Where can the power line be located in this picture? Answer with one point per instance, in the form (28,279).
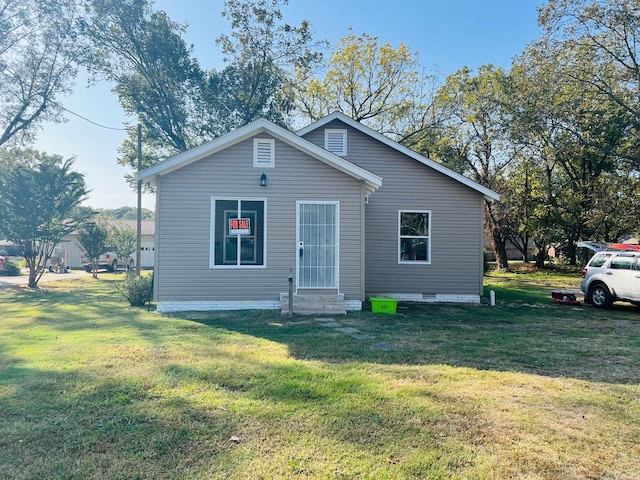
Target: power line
(91,121)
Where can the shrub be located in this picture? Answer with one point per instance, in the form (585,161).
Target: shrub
(10,269)
(137,289)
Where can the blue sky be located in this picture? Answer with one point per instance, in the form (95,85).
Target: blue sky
(448,34)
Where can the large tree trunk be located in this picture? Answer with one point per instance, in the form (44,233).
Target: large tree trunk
(494,219)
(499,244)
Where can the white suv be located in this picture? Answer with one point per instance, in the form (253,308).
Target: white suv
(612,275)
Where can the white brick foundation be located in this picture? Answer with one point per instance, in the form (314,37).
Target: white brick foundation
(178,306)
(429,298)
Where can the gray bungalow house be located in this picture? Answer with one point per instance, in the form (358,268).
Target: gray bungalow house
(345,211)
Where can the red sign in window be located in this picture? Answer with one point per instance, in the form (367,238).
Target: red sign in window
(239,226)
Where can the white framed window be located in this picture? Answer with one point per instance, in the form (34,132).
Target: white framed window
(238,233)
(414,236)
(264,152)
(335,140)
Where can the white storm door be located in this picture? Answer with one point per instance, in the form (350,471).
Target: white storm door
(318,244)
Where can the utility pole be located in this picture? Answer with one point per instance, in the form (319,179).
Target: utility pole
(139,216)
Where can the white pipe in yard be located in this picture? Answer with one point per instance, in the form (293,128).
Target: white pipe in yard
(492,296)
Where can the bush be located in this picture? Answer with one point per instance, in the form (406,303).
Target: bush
(137,289)
(10,269)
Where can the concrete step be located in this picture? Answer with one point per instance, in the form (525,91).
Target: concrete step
(309,304)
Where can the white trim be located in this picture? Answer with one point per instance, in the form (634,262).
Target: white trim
(413,262)
(432,298)
(259,162)
(212,237)
(217,305)
(336,133)
(337,240)
(371,180)
(488,193)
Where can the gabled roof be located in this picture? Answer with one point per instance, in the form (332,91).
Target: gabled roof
(488,193)
(371,180)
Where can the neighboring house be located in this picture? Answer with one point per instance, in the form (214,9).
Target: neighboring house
(72,251)
(346,211)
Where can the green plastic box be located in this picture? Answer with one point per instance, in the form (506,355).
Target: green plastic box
(384,305)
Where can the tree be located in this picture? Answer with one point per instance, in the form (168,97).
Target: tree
(243,92)
(372,83)
(123,241)
(36,64)
(142,52)
(38,195)
(125,213)
(576,136)
(263,53)
(472,140)
(607,34)
(157,79)
(93,242)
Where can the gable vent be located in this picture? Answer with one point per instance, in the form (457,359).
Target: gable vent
(264,152)
(336,141)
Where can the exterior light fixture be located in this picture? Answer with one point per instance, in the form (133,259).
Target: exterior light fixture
(263,180)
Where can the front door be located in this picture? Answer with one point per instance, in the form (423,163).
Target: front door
(318,244)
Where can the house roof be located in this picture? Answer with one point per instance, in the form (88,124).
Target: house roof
(371,180)
(147,227)
(488,193)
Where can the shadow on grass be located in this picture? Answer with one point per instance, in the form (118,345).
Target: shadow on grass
(526,332)
(179,422)
(79,425)
(160,396)
(532,337)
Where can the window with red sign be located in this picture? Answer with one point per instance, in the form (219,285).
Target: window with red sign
(238,232)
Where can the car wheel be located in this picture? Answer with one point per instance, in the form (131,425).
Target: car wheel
(114,266)
(88,268)
(132,265)
(600,296)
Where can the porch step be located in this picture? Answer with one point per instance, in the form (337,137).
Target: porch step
(309,304)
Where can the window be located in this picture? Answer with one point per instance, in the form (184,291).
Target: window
(599,259)
(264,153)
(238,232)
(336,141)
(414,236)
(621,263)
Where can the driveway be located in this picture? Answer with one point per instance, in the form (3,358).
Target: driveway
(22,280)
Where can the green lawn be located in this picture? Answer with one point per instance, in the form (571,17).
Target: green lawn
(90,388)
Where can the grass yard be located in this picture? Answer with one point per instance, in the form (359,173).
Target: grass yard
(90,388)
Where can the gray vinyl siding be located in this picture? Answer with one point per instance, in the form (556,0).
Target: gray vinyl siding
(184,223)
(456,222)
